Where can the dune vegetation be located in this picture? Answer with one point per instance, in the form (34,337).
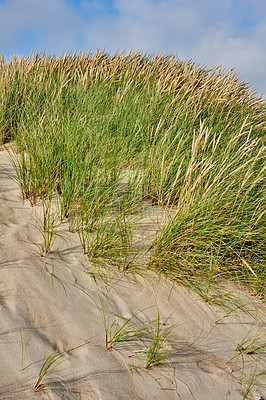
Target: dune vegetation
(104,136)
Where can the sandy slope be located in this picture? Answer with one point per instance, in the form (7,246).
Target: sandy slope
(44,305)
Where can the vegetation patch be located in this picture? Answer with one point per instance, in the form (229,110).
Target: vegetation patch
(106,133)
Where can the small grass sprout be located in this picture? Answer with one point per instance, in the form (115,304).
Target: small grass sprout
(253,344)
(119,333)
(121,330)
(49,365)
(254,380)
(158,352)
(24,345)
(246,308)
(127,332)
(48,227)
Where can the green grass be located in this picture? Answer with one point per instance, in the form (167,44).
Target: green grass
(124,330)
(158,352)
(49,365)
(253,381)
(49,226)
(252,345)
(151,338)
(104,133)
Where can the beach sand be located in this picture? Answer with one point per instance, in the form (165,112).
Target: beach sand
(49,303)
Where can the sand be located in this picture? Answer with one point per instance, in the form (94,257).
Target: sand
(52,302)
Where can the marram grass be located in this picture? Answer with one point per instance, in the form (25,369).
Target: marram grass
(106,132)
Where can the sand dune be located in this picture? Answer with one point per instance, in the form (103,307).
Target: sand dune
(52,302)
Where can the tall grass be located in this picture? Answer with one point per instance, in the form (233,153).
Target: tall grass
(218,226)
(105,132)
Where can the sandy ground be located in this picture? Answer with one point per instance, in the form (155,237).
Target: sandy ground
(49,303)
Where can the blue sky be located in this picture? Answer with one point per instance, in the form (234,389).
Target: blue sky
(227,32)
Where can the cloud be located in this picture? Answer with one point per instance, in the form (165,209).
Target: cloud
(245,53)
(227,32)
(49,24)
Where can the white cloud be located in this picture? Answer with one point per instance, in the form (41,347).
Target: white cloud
(49,24)
(228,32)
(245,53)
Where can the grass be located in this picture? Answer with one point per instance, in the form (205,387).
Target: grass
(251,350)
(134,330)
(49,226)
(253,380)
(109,238)
(253,344)
(158,353)
(24,345)
(247,308)
(105,133)
(124,330)
(48,367)
(127,331)
(120,330)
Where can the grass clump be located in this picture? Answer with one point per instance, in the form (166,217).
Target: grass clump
(251,350)
(48,367)
(158,352)
(253,344)
(254,381)
(49,228)
(104,133)
(127,331)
